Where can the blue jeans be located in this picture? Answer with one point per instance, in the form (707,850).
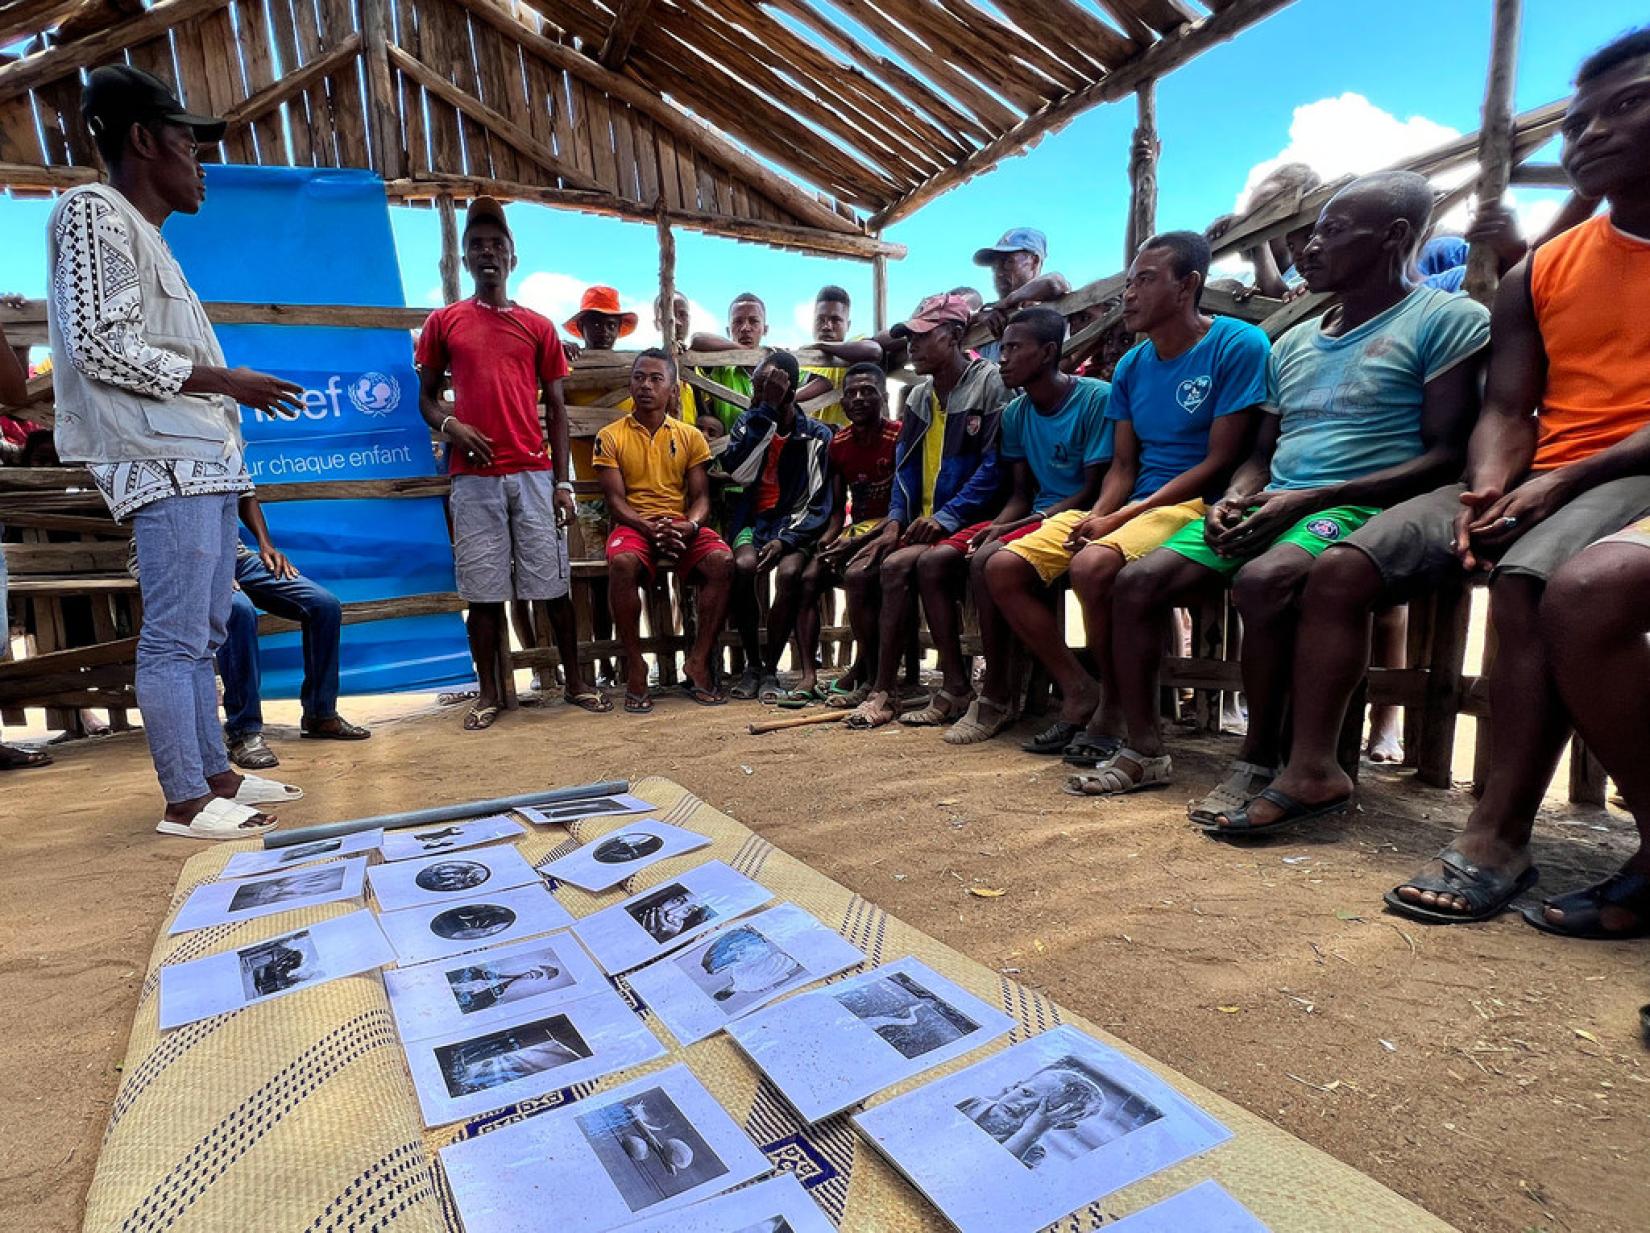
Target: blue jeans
(186,564)
(297,599)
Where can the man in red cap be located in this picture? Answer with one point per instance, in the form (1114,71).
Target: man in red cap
(510,498)
(946,478)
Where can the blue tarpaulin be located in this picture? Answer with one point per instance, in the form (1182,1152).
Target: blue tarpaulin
(301,236)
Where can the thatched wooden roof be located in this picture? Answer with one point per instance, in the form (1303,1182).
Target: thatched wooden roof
(808,123)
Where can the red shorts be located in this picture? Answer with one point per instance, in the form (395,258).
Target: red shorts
(629,540)
(961,539)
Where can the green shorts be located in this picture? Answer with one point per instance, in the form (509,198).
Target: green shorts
(747,536)
(1312,534)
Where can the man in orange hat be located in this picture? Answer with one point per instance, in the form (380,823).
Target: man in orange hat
(600,323)
(511,497)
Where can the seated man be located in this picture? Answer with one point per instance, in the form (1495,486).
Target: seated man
(831,322)
(1367,407)
(1056,442)
(1185,404)
(267,579)
(1571,336)
(862,483)
(653,474)
(946,481)
(778,453)
(1016,264)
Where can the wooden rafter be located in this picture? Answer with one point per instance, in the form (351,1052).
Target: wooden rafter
(627,19)
(293,84)
(55,62)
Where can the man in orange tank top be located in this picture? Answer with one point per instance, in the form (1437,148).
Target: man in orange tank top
(1560,457)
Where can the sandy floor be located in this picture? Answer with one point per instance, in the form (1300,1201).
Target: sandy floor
(1493,1074)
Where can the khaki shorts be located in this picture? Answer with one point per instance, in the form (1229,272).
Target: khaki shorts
(506,544)
(1046,552)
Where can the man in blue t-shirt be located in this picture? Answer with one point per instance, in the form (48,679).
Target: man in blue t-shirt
(1057,442)
(1367,407)
(1185,404)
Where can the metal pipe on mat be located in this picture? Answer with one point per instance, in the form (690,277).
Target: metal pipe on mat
(443,813)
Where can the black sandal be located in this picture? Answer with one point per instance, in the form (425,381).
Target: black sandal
(1089,752)
(1584,909)
(1052,740)
(1294,814)
(1488,892)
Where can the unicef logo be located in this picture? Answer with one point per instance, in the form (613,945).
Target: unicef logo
(375,393)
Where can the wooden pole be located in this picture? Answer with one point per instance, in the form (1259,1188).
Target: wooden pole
(879,292)
(667,281)
(1142,171)
(388,148)
(1495,140)
(449,247)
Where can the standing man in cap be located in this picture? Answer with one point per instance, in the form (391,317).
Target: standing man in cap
(145,399)
(510,499)
(1016,263)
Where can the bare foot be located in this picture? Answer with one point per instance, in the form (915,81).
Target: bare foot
(1386,742)
(1079,705)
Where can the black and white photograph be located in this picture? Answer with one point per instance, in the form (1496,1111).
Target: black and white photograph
(285,963)
(623,853)
(489,986)
(274,860)
(434,879)
(412,842)
(660,1143)
(527,1054)
(491,918)
(661,919)
(222,903)
(1029,1135)
(1206,1208)
(563,812)
(736,969)
(909,1017)
(777,1205)
(831,1048)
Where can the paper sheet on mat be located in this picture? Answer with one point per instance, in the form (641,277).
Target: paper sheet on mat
(1029,1135)
(272,968)
(229,903)
(435,932)
(273,860)
(626,851)
(667,916)
(831,1048)
(527,1055)
(740,967)
(487,987)
(409,842)
(654,1144)
(563,812)
(449,877)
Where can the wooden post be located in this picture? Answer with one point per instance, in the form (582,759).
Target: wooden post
(387,146)
(879,292)
(667,281)
(1142,172)
(449,247)
(1495,140)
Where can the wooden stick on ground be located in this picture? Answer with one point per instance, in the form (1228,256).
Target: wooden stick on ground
(758,727)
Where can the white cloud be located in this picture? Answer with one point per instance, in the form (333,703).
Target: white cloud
(802,325)
(556,295)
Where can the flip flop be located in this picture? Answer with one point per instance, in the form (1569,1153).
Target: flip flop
(805,695)
(480,718)
(592,700)
(1584,909)
(1243,783)
(1294,814)
(220,819)
(637,704)
(1090,752)
(1488,893)
(1053,740)
(703,696)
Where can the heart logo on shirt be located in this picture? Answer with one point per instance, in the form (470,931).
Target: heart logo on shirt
(1191,394)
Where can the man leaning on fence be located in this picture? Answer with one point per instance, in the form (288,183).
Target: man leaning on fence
(145,400)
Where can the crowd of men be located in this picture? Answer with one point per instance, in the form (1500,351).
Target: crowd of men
(1325,476)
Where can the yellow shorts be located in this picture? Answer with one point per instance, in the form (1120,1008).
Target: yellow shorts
(1638,533)
(862,528)
(1046,552)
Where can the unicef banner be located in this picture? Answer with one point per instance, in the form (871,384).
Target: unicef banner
(294,236)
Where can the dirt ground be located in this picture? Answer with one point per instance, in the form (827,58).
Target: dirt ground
(1492,1074)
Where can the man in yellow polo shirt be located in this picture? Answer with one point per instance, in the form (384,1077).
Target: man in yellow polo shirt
(653,471)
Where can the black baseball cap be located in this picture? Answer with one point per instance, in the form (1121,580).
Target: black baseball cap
(118,96)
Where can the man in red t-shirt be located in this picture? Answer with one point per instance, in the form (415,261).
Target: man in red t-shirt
(508,506)
(862,483)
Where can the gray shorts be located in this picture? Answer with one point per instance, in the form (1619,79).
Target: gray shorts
(1414,543)
(506,544)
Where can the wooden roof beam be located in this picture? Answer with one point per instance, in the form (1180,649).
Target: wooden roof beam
(272,96)
(55,62)
(627,19)
(26,17)
(1158,60)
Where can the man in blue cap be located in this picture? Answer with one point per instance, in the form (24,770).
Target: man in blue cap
(1016,263)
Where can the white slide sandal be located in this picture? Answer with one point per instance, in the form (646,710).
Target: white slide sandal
(256,790)
(219,819)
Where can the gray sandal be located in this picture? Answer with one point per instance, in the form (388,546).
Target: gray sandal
(1112,780)
(1243,783)
(975,727)
(943,707)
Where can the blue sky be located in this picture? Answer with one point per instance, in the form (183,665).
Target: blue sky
(1346,86)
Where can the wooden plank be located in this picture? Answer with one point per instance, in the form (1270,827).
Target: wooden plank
(19,145)
(297,111)
(257,109)
(323,125)
(268,132)
(647,160)
(225,85)
(627,20)
(1495,141)
(87,556)
(624,150)
(52,114)
(599,123)
(344,89)
(22,18)
(670,181)
(389,151)
(188,47)
(99,48)
(490,86)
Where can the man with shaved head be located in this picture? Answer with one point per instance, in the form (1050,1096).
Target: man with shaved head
(1367,407)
